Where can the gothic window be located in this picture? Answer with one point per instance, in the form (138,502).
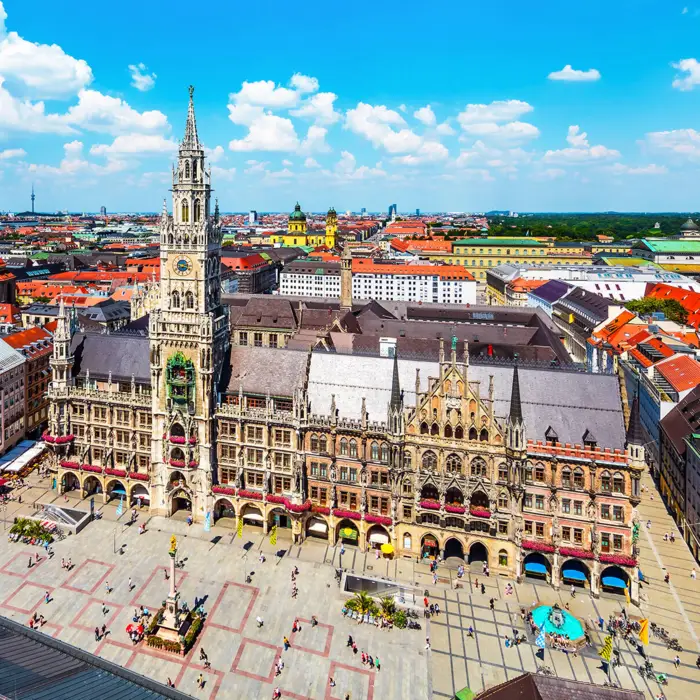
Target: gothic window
(187,169)
(314,443)
(503,500)
(407,461)
(353,448)
(566,477)
(343,446)
(434,429)
(618,483)
(478,467)
(176,299)
(605,482)
(194,169)
(185,211)
(472,434)
(189,300)
(430,492)
(375,451)
(322,444)
(578,478)
(197,210)
(424,428)
(503,558)
(429,461)
(459,433)
(385,453)
(448,431)
(453,464)
(484,435)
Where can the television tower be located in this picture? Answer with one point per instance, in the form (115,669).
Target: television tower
(33,197)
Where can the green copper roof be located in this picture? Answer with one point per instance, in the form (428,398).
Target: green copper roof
(670,246)
(297,214)
(499,242)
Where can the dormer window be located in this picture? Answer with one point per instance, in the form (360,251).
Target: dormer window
(589,440)
(551,436)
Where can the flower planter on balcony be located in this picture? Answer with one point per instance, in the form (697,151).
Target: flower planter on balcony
(432,505)
(193,440)
(351,514)
(69,465)
(574,552)
(459,510)
(255,495)
(177,462)
(58,440)
(115,472)
(141,476)
(298,507)
(618,559)
(177,440)
(379,519)
(274,498)
(538,546)
(321,510)
(480,512)
(91,468)
(227,490)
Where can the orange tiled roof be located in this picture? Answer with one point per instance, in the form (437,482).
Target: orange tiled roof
(30,335)
(520,284)
(642,359)
(367,266)
(681,372)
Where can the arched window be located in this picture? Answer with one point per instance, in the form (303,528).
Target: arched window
(429,460)
(407,487)
(194,169)
(578,478)
(484,435)
(406,540)
(385,453)
(459,433)
(434,429)
(453,464)
(478,467)
(322,447)
(185,211)
(353,448)
(197,210)
(618,483)
(187,168)
(407,460)
(566,477)
(448,431)
(175,299)
(375,451)
(472,434)
(503,500)
(189,300)
(314,443)
(503,558)
(343,446)
(424,428)
(605,481)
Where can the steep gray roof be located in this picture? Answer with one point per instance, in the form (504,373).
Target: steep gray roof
(569,402)
(266,370)
(122,355)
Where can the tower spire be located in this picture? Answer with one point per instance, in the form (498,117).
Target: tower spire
(191,140)
(516,410)
(33,197)
(634,434)
(395,386)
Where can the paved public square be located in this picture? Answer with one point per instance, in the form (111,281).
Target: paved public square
(243,656)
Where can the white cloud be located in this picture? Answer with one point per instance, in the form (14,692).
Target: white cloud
(311,163)
(222,173)
(244,114)
(552,173)
(346,169)
(140,78)
(319,108)
(315,141)
(569,74)
(284,174)
(651,169)
(112,115)
(429,152)
(268,132)
(498,111)
(425,115)
(445,129)
(214,154)
(510,132)
(135,144)
(23,115)
(39,70)
(576,137)
(375,124)
(505,159)
(403,108)
(287,163)
(264,93)
(73,164)
(690,66)
(256,166)
(684,11)
(680,143)
(11,152)
(304,83)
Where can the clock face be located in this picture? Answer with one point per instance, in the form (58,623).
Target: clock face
(183,265)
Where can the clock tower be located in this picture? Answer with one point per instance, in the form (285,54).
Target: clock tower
(189,335)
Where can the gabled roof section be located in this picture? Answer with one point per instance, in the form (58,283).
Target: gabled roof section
(682,372)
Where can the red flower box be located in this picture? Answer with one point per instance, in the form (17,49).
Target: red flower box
(177,439)
(193,463)
(274,498)
(227,490)
(322,510)
(59,440)
(538,546)
(619,559)
(255,495)
(141,476)
(91,468)
(456,509)
(573,552)
(429,503)
(380,519)
(193,440)
(69,465)
(480,512)
(298,507)
(177,462)
(350,514)
(115,472)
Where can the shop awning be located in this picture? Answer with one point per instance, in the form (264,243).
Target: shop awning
(379,538)
(430,542)
(348,533)
(318,527)
(119,489)
(253,516)
(535,567)
(573,574)
(613,582)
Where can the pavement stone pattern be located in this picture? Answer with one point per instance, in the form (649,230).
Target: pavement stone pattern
(243,656)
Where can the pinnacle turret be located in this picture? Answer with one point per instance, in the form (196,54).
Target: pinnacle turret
(191,140)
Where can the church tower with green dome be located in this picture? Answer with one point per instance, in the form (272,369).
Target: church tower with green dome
(331,228)
(297,221)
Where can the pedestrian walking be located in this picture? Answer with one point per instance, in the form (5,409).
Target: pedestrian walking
(350,641)
(70,564)
(492,603)
(427,643)
(200,681)
(573,591)
(483,589)
(692,574)
(170,684)
(364,658)
(47,597)
(166,574)
(259,620)
(677,661)
(354,648)
(131,584)
(470,631)
(105,609)
(286,644)
(314,621)
(331,682)
(376,663)
(104,630)
(342,549)
(437,608)
(29,566)
(97,634)
(63,563)
(108,587)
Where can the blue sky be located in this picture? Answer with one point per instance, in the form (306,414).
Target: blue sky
(454,106)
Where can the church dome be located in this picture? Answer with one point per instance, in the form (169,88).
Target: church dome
(690,225)
(297,214)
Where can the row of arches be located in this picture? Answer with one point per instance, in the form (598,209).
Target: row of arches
(196,211)
(456,433)
(454,464)
(182,301)
(110,489)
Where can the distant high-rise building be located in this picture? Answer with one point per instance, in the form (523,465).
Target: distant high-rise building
(103,210)
(363,211)
(417,212)
(252,217)
(392,210)
(33,197)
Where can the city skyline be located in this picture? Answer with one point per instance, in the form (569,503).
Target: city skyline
(531,117)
